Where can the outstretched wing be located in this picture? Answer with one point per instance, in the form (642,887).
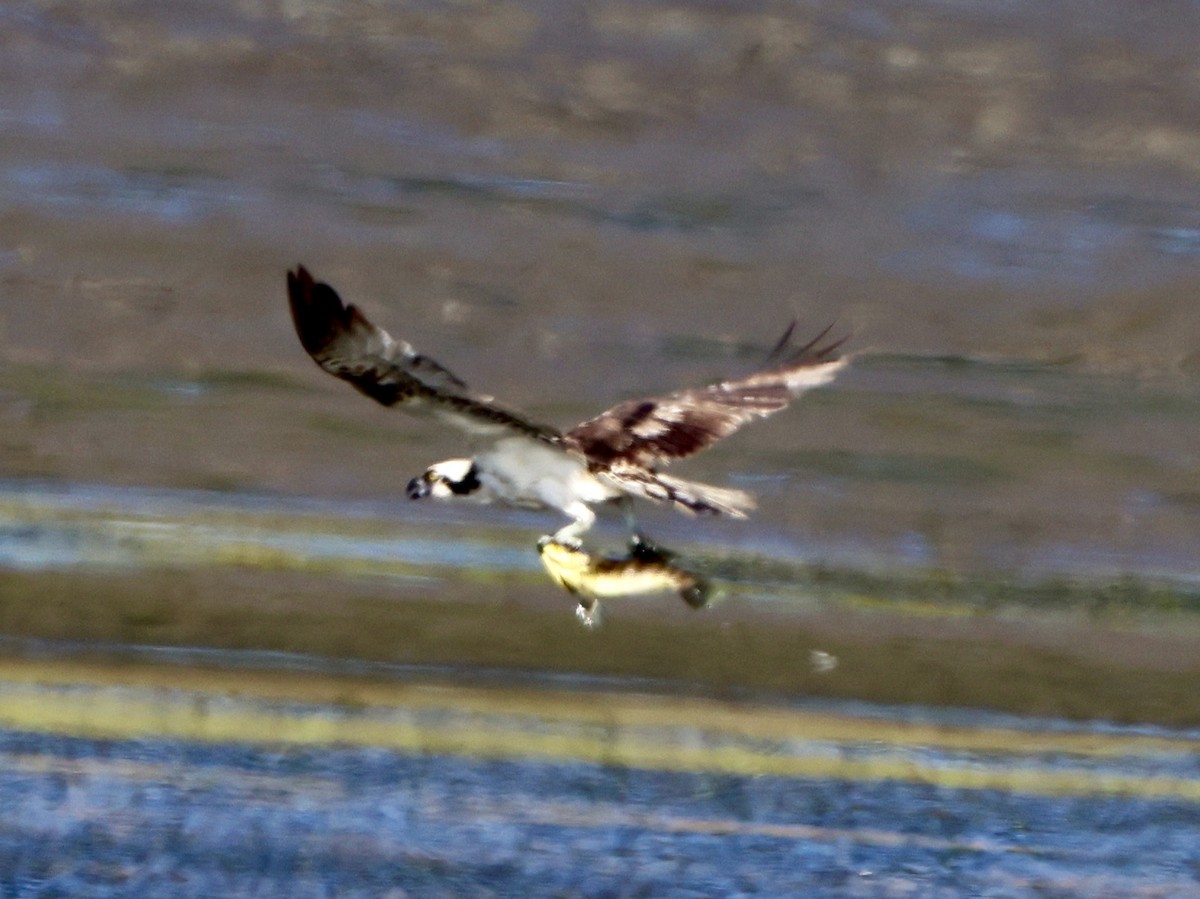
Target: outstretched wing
(657,431)
(345,343)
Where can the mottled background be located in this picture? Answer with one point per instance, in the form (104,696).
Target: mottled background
(995,510)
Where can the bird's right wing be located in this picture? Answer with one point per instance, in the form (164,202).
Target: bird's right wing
(346,344)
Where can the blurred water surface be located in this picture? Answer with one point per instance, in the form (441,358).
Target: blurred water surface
(996,507)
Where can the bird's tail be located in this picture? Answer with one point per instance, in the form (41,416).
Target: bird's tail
(690,496)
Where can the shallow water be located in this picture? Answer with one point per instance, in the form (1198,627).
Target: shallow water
(504,792)
(996,507)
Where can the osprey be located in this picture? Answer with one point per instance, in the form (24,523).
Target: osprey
(613,457)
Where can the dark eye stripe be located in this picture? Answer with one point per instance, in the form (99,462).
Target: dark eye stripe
(468,484)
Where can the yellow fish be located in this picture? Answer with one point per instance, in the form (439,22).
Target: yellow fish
(591,578)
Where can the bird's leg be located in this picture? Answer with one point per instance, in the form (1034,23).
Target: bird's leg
(640,546)
(583,517)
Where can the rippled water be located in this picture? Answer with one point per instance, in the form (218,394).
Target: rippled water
(997,506)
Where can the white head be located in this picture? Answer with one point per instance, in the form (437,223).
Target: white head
(443,480)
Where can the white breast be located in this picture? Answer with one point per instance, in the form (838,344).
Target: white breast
(524,471)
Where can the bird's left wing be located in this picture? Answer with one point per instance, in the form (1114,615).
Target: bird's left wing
(345,343)
(651,432)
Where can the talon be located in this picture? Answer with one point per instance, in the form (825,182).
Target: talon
(558,546)
(569,540)
(568,536)
(645,550)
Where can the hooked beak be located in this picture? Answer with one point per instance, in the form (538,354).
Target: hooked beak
(418,488)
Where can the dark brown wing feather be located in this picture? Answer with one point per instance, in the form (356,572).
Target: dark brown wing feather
(346,344)
(657,431)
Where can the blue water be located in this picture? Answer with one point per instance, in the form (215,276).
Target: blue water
(159,818)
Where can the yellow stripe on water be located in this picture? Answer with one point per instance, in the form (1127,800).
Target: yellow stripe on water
(659,733)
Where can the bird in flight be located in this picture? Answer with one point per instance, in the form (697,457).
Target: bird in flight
(612,458)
